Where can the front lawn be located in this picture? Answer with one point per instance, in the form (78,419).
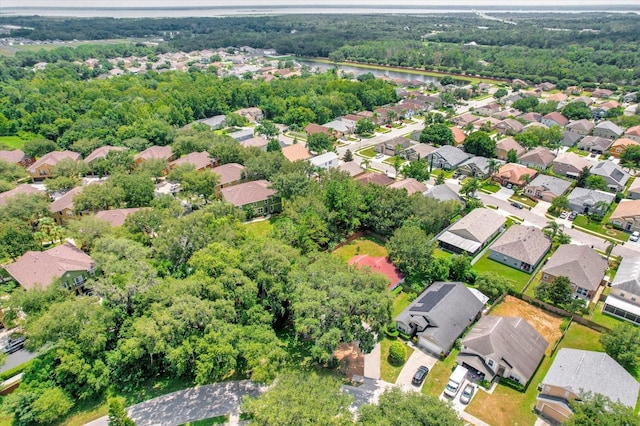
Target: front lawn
(524,200)
(439,375)
(389,373)
(364,245)
(13,142)
(599,228)
(490,187)
(519,278)
(367,152)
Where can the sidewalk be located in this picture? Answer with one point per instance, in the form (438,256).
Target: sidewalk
(372,363)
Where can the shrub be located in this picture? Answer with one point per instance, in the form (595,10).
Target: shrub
(397,353)
(391,330)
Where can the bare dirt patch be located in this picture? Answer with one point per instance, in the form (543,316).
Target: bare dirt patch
(351,359)
(545,323)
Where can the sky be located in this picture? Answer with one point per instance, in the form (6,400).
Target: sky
(294,3)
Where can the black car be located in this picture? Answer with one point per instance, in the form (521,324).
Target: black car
(517,205)
(421,373)
(14,344)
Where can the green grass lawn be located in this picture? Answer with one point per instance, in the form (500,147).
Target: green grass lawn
(399,303)
(388,372)
(581,337)
(439,375)
(13,142)
(219,420)
(441,254)
(367,152)
(519,278)
(365,245)
(263,227)
(490,187)
(524,200)
(599,228)
(382,130)
(606,320)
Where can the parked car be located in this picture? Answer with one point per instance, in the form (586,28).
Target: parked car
(467,394)
(635,236)
(517,205)
(573,215)
(564,215)
(509,186)
(421,373)
(14,344)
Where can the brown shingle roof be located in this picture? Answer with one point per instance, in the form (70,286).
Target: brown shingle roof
(525,243)
(375,178)
(36,267)
(14,156)
(200,160)
(410,184)
(507,144)
(20,189)
(102,152)
(248,193)
(626,209)
(228,173)
(156,153)
(65,202)
(52,158)
(581,264)
(514,173)
(115,217)
(296,152)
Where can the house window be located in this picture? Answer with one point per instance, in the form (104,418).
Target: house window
(622,294)
(43,172)
(582,292)
(78,280)
(633,298)
(545,277)
(259,210)
(490,362)
(69,213)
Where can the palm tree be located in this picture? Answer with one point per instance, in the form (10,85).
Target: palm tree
(563,238)
(470,187)
(552,228)
(365,162)
(609,249)
(526,178)
(492,166)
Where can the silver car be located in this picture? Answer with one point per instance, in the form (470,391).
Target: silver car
(467,394)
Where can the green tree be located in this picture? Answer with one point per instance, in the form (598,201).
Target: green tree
(576,111)
(596,182)
(440,178)
(364,126)
(631,157)
(585,173)
(267,128)
(85,230)
(526,104)
(70,168)
(117,414)
(311,400)
(16,238)
(99,196)
(500,93)
(348,156)
(235,120)
(319,142)
(418,170)
(558,292)
(560,203)
(411,250)
(492,285)
(51,405)
(396,407)
(551,229)
(512,156)
(200,183)
(38,147)
(437,134)
(11,171)
(397,353)
(596,409)
(61,183)
(273,146)
(622,343)
(470,186)
(480,143)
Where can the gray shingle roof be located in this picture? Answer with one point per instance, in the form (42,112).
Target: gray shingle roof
(611,172)
(589,197)
(610,126)
(451,154)
(583,125)
(443,193)
(481,163)
(525,243)
(628,276)
(473,230)
(581,264)
(446,309)
(588,371)
(555,185)
(598,142)
(511,339)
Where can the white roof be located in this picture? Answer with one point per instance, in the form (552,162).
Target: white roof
(622,304)
(323,158)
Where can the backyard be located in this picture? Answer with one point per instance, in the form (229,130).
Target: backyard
(603,319)
(13,142)
(363,245)
(519,278)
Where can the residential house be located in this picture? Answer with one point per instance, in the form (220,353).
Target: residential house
(389,147)
(514,174)
(473,232)
(602,93)
(546,188)
(509,100)
(199,160)
(439,315)
(447,157)
(340,127)
(557,97)
(546,86)
(503,146)
(531,117)
(328,160)
(584,267)
(584,200)
(621,145)
(488,109)
(381,265)
(570,164)
(20,189)
(374,178)
(252,114)
(296,152)
(464,119)
(242,134)
(351,168)
(582,127)
(570,138)
(444,193)
(230,175)
(627,215)
(554,119)
(484,87)
(509,126)
(486,123)
(312,129)
(633,192)
(585,99)
(62,208)
(607,129)
(257,197)
(615,176)
(102,152)
(540,158)
(259,142)
(458,135)
(478,167)
(411,185)
(633,133)
(115,217)
(154,153)
(624,299)
(39,269)
(596,144)
(575,372)
(215,122)
(520,247)
(534,124)
(417,151)
(16,156)
(41,169)
(506,347)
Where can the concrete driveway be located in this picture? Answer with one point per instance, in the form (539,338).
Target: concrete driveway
(416,359)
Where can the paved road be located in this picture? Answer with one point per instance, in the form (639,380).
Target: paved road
(17,358)
(416,359)
(191,404)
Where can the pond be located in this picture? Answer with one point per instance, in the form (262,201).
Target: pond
(321,66)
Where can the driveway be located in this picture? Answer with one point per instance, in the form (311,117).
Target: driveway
(187,405)
(503,194)
(416,359)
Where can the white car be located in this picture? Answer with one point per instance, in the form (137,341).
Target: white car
(635,236)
